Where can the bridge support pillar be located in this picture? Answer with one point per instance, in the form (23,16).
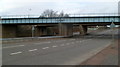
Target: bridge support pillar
(83,29)
(9,31)
(66,30)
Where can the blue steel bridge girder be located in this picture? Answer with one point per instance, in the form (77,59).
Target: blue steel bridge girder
(60,20)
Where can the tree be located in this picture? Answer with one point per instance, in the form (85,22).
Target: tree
(66,15)
(49,13)
(61,14)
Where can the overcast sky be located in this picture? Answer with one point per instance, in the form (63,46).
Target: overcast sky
(21,7)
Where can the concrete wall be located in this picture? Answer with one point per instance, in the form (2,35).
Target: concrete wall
(83,29)
(24,31)
(9,31)
(76,29)
(42,31)
(65,30)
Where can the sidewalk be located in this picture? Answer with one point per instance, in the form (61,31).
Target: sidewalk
(26,39)
(108,56)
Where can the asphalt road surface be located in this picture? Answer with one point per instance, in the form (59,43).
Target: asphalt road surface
(63,51)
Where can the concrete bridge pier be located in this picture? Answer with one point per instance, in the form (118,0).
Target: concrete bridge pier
(65,29)
(83,29)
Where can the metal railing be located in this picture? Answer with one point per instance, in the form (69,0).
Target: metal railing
(70,15)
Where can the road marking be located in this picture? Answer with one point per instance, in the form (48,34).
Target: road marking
(45,48)
(15,53)
(14,46)
(54,46)
(33,50)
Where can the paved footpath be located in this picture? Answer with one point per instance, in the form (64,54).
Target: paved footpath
(108,56)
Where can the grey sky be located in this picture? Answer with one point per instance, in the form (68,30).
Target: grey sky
(21,7)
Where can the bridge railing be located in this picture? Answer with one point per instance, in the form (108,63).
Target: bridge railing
(61,20)
(70,15)
(94,14)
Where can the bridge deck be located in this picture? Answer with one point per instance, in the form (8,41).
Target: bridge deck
(60,20)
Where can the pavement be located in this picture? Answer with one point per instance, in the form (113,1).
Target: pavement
(63,51)
(108,56)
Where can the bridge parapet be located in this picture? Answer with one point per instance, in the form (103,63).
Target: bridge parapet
(60,20)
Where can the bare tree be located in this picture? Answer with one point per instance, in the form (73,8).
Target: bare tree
(61,14)
(49,13)
(66,15)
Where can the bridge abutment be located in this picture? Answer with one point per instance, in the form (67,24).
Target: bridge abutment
(9,31)
(65,30)
(83,29)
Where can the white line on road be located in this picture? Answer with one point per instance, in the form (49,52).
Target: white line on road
(45,48)
(14,46)
(15,53)
(33,50)
(54,46)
